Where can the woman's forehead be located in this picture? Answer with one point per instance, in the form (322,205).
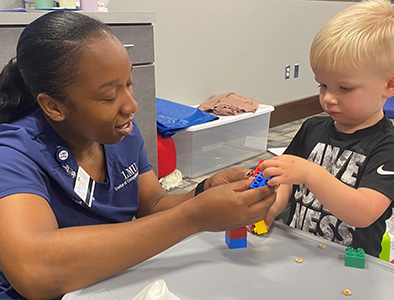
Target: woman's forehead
(104,55)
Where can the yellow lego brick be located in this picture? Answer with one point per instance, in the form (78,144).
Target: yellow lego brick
(260,227)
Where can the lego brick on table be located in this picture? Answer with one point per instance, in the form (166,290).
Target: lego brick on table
(236,243)
(260,227)
(237,233)
(386,244)
(355,257)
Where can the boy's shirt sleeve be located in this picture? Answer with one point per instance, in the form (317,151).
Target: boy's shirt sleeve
(379,171)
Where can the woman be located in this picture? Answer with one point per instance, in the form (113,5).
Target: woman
(74,171)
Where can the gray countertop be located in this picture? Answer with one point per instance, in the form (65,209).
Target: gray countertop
(203,267)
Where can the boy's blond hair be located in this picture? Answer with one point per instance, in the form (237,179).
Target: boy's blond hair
(358,35)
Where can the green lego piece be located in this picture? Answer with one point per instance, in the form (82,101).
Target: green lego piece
(386,244)
(355,258)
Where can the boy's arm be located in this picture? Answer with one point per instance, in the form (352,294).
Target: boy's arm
(356,207)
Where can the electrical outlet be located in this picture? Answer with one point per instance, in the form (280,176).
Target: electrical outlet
(287,71)
(296,70)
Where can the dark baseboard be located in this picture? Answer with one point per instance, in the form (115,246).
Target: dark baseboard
(294,110)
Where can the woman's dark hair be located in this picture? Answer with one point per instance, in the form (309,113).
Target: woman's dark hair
(47,56)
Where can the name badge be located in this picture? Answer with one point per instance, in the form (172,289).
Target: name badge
(84,186)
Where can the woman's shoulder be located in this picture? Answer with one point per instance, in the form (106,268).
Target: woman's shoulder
(20,134)
(28,139)
(14,136)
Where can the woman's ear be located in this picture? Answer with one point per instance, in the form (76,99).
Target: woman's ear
(52,108)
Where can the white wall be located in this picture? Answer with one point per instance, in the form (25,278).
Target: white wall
(208,47)
(8,4)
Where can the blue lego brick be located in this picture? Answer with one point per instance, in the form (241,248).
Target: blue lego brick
(355,257)
(259,181)
(236,243)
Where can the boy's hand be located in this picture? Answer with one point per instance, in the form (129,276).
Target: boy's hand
(269,219)
(286,169)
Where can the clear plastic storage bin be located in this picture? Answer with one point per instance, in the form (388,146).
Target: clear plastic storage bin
(211,146)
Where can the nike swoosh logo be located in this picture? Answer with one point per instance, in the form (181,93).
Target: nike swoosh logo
(383,172)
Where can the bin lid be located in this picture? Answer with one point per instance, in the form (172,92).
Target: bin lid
(263,109)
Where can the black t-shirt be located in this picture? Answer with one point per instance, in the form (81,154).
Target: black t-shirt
(362,159)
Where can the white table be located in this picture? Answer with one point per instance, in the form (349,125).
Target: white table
(203,267)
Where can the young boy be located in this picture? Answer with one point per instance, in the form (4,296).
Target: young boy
(338,171)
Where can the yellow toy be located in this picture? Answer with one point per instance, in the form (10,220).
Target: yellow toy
(260,227)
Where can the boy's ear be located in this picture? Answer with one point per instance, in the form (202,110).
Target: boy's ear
(389,91)
(52,108)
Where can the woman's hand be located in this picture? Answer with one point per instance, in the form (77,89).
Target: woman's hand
(232,205)
(227,176)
